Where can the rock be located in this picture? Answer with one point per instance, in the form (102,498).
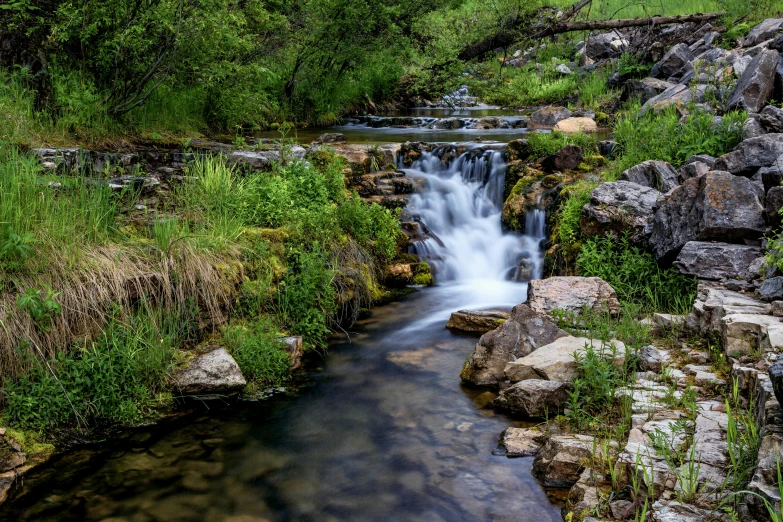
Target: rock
(713,304)
(521,442)
(651,359)
(752,129)
(776,376)
(557,361)
(621,207)
(575,125)
(763,31)
(607,148)
(548,117)
(717,261)
(567,158)
(622,509)
(587,494)
(717,206)
(771,289)
(476,321)
(659,175)
(523,332)
(756,85)
(772,205)
(293,347)
(771,118)
(743,334)
(751,155)
(600,46)
(670,511)
(330,137)
(563,69)
(675,94)
(215,372)
(693,170)
(644,89)
(764,481)
(562,460)
(534,398)
(518,150)
(572,295)
(674,60)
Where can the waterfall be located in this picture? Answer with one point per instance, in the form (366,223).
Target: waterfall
(460,205)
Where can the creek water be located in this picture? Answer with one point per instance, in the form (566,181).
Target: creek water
(378,429)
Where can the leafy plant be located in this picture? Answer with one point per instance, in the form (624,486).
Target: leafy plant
(42,305)
(258,351)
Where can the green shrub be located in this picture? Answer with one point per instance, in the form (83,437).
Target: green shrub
(113,379)
(636,276)
(42,305)
(258,351)
(567,230)
(545,143)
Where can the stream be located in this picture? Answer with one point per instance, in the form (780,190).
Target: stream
(379,429)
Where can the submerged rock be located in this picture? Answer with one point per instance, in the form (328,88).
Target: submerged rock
(213,373)
(523,332)
(534,398)
(476,321)
(571,294)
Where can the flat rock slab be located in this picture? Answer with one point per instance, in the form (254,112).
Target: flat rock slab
(670,511)
(572,295)
(476,321)
(717,261)
(521,442)
(557,361)
(213,373)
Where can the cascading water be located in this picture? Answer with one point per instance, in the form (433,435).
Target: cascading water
(460,207)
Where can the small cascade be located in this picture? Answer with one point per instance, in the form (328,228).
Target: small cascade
(460,206)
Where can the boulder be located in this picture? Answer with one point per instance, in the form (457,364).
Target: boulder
(659,175)
(644,89)
(523,332)
(534,398)
(294,348)
(567,158)
(752,129)
(521,442)
(330,137)
(674,60)
(562,460)
(557,361)
(756,85)
(671,96)
(548,117)
(776,376)
(751,155)
(693,170)
(771,289)
(717,206)
(650,358)
(765,478)
(763,31)
(575,125)
(717,261)
(771,118)
(572,294)
(743,334)
(621,207)
(600,46)
(771,176)
(476,321)
(214,373)
(772,205)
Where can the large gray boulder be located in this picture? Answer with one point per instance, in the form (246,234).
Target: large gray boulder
(621,207)
(214,373)
(751,155)
(763,31)
(572,295)
(557,360)
(717,261)
(659,175)
(674,60)
(771,118)
(716,206)
(548,117)
(756,85)
(523,332)
(534,398)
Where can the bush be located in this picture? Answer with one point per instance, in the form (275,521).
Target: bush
(258,351)
(636,276)
(545,143)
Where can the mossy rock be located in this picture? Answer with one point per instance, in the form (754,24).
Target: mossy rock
(596,160)
(551,181)
(601,118)
(584,167)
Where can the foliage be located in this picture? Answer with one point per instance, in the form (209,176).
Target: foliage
(258,351)
(635,275)
(545,143)
(567,231)
(115,378)
(42,305)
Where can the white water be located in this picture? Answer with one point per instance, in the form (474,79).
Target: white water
(461,204)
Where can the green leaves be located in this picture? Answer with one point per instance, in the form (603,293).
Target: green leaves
(41,305)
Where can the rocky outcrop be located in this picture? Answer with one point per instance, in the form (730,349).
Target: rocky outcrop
(567,158)
(214,373)
(548,117)
(659,175)
(523,332)
(534,398)
(718,261)
(572,295)
(757,83)
(557,361)
(621,207)
(476,321)
(716,206)
(763,31)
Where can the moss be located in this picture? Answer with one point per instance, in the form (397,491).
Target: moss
(30,441)
(550,181)
(601,118)
(584,167)
(596,160)
(522,185)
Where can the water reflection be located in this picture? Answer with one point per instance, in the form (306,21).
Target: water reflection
(383,432)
